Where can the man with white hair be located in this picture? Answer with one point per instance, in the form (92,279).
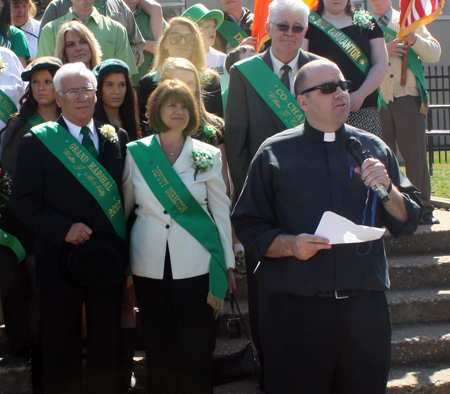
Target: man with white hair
(258,109)
(327,327)
(72,200)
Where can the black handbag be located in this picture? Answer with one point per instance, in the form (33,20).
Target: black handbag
(240,365)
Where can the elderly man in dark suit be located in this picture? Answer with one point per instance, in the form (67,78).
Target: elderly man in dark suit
(68,190)
(250,118)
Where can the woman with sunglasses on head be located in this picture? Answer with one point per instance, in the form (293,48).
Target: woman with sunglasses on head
(22,14)
(38,105)
(116,99)
(182,38)
(337,33)
(76,43)
(180,243)
(11,37)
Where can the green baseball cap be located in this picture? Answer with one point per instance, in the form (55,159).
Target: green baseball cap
(199,13)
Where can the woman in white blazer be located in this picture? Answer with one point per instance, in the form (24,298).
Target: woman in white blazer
(176,272)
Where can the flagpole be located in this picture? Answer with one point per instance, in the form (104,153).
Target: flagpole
(404,65)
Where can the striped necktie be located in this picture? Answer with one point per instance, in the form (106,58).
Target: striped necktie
(383,20)
(285,76)
(87,142)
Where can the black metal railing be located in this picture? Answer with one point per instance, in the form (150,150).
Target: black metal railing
(438,118)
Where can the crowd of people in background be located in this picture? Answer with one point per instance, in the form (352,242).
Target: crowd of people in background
(129,140)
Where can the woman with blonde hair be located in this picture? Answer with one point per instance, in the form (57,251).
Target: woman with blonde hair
(182,38)
(76,43)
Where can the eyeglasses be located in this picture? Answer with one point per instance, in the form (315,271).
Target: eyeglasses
(75,93)
(284,27)
(175,38)
(328,88)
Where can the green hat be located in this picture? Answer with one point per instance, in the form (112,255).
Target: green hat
(199,13)
(41,63)
(109,66)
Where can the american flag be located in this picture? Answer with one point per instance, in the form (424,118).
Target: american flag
(416,13)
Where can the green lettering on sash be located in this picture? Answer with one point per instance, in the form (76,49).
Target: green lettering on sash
(348,46)
(415,65)
(7,107)
(272,91)
(232,32)
(82,165)
(177,200)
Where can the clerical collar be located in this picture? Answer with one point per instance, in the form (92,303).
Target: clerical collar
(321,136)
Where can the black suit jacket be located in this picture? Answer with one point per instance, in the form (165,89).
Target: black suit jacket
(49,199)
(249,120)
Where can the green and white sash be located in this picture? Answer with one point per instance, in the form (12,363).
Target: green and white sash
(7,107)
(178,201)
(347,45)
(415,65)
(272,91)
(232,32)
(35,119)
(13,243)
(87,170)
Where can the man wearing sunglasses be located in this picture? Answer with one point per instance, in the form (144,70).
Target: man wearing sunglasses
(327,326)
(60,199)
(250,115)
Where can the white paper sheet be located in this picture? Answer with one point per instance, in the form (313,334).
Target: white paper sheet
(340,230)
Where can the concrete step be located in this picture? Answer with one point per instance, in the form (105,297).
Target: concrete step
(421,305)
(14,376)
(411,271)
(426,239)
(421,344)
(402,380)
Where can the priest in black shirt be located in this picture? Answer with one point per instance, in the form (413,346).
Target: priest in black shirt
(327,325)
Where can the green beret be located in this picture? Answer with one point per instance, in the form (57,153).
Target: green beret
(41,63)
(109,66)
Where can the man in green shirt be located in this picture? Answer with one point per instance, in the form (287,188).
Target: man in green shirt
(111,35)
(143,20)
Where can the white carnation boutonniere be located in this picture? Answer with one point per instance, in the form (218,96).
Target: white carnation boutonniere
(2,65)
(203,160)
(109,134)
(363,19)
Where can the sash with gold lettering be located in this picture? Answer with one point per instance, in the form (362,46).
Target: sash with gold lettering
(272,91)
(415,65)
(178,201)
(347,45)
(232,32)
(87,170)
(7,107)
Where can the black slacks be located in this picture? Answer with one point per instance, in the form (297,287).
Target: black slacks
(178,329)
(61,328)
(327,346)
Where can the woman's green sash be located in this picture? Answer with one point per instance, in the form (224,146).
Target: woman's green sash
(177,200)
(35,119)
(415,65)
(272,91)
(13,243)
(232,32)
(347,45)
(7,107)
(89,172)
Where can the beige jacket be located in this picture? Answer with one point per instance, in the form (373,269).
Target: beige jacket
(426,47)
(154,228)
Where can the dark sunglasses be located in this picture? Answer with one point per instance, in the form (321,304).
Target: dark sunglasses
(328,88)
(175,38)
(285,27)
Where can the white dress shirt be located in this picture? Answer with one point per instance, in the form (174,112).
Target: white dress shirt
(277,64)
(76,132)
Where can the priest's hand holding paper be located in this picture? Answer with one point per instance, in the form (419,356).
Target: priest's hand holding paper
(302,246)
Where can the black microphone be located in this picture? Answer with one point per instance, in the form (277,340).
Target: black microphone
(355,148)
